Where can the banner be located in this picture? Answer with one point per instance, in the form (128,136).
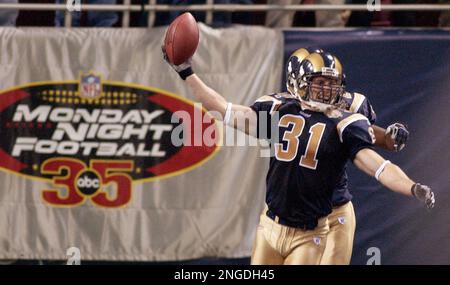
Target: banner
(406,75)
(87,155)
(88,160)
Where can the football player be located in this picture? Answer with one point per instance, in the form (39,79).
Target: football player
(342,219)
(312,142)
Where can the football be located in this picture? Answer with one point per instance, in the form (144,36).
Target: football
(182,37)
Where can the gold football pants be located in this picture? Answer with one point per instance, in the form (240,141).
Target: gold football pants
(276,244)
(339,246)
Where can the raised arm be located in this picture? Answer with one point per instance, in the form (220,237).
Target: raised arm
(239,116)
(391,176)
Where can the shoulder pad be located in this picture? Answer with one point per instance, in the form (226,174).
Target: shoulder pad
(357,100)
(286,95)
(267,98)
(349,119)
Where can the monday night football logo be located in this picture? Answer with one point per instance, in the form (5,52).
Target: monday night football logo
(86,135)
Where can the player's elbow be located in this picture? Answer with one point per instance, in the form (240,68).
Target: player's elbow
(368,161)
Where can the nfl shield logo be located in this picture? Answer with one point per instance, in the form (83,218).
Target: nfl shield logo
(90,86)
(341,220)
(316,240)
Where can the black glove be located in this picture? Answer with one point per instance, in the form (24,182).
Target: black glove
(399,133)
(423,193)
(184,69)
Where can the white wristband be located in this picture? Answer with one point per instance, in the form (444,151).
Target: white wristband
(228,113)
(380,169)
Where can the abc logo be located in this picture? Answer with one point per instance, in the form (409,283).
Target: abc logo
(88,182)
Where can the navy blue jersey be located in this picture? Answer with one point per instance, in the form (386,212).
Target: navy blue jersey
(354,103)
(311,152)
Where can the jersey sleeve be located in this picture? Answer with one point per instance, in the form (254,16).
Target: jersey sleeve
(361,104)
(356,133)
(264,107)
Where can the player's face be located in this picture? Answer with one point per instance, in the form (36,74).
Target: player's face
(324,89)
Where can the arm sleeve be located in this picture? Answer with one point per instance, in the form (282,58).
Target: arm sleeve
(361,104)
(366,109)
(264,108)
(356,133)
